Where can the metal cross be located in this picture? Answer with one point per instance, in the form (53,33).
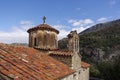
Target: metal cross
(44,18)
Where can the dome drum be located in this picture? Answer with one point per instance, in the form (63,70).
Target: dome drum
(43,37)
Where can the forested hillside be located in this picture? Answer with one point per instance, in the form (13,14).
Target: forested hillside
(100,46)
(108,37)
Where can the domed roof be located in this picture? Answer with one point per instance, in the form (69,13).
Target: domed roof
(43,27)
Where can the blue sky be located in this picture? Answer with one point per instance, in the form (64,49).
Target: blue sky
(16,16)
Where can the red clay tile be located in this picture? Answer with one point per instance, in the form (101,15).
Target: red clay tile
(84,64)
(26,63)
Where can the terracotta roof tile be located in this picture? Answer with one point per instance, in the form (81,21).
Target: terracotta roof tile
(43,27)
(61,52)
(29,64)
(84,64)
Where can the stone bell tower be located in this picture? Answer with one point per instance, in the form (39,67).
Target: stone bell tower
(73,45)
(43,37)
(73,41)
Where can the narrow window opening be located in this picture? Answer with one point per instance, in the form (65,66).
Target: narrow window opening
(44,43)
(35,42)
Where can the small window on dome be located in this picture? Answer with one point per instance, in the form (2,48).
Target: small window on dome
(35,42)
(44,42)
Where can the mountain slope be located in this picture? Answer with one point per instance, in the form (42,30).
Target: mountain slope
(100,26)
(100,35)
(107,37)
(103,41)
(100,46)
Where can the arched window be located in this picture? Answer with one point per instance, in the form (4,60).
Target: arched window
(44,42)
(35,42)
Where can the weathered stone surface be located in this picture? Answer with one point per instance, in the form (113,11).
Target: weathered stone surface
(64,59)
(43,39)
(73,41)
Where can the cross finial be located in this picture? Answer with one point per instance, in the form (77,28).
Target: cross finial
(44,18)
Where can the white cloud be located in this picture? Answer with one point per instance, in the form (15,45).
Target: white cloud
(26,24)
(80,25)
(80,22)
(72,21)
(63,32)
(112,2)
(58,27)
(103,19)
(88,21)
(17,34)
(80,29)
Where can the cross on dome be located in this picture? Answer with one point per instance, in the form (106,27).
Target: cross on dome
(44,18)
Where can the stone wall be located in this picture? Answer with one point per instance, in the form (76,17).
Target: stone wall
(64,59)
(84,74)
(76,60)
(74,76)
(69,77)
(73,41)
(80,74)
(43,39)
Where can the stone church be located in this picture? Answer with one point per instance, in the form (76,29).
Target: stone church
(42,60)
(44,38)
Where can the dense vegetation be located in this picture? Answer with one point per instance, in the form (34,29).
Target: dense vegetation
(109,37)
(62,43)
(105,36)
(106,39)
(106,70)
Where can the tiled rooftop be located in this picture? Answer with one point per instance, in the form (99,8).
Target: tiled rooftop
(61,52)
(84,64)
(43,27)
(24,63)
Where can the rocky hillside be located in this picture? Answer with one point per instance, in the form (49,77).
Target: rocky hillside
(100,26)
(108,37)
(105,41)
(101,42)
